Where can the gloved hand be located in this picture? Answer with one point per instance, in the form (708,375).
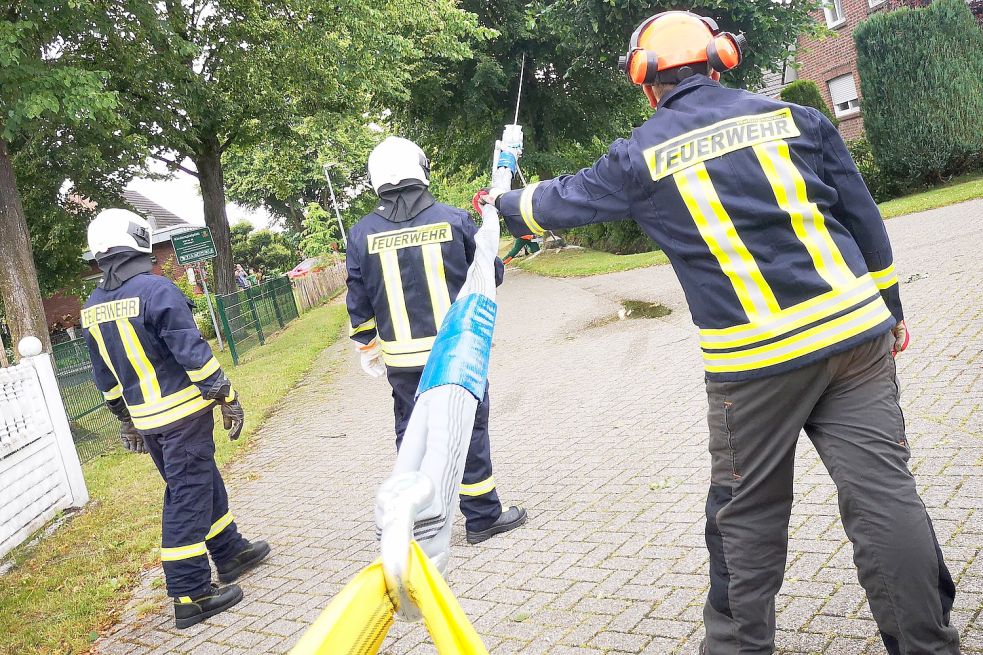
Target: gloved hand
(233,416)
(901,338)
(370,356)
(485,196)
(131,438)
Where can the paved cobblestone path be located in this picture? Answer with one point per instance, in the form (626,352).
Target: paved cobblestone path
(598,428)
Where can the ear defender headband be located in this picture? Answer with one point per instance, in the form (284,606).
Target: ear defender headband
(724,52)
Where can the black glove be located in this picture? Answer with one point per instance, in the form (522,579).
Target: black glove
(131,437)
(118,407)
(233,416)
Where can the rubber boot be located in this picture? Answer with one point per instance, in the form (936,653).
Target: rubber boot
(189,611)
(508,520)
(229,571)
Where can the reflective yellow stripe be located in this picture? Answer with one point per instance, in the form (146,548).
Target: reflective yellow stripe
(394,294)
(407,360)
(219,525)
(790,318)
(886,278)
(96,334)
(364,327)
(525,208)
(184,599)
(440,297)
(407,346)
(182,552)
(149,385)
(176,414)
(478,488)
(721,237)
(200,374)
(114,393)
(808,222)
(804,343)
(167,402)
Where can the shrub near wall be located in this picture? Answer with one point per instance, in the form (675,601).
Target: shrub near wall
(806,93)
(921,75)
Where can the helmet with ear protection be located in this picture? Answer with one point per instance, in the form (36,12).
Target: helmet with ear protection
(673,45)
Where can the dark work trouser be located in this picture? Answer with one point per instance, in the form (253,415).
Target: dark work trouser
(848,406)
(196,506)
(479,499)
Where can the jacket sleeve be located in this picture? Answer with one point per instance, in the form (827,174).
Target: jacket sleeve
(361,315)
(594,195)
(102,375)
(857,211)
(470,229)
(169,312)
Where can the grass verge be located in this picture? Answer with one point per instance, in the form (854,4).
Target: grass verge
(966,187)
(578,262)
(60,594)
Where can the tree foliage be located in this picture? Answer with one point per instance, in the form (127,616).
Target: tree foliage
(268,252)
(922,97)
(199,76)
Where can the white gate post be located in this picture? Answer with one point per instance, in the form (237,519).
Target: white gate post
(32,353)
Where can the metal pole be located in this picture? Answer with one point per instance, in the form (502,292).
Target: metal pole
(211,310)
(334,203)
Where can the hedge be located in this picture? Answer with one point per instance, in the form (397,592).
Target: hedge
(921,77)
(806,93)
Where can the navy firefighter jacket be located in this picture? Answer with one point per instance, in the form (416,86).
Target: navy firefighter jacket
(145,347)
(777,243)
(403,277)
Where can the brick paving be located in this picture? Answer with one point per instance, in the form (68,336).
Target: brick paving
(598,428)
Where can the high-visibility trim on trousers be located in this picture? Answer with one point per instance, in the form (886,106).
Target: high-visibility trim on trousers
(183,552)
(478,488)
(219,525)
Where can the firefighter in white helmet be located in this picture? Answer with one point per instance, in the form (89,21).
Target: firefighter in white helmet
(406,262)
(159,377)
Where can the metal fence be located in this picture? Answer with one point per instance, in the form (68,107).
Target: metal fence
(94,428)
(249,316)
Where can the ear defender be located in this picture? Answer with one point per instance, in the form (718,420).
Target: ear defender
(726,51)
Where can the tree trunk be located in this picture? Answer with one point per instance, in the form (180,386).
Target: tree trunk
(212,181)
(18,276)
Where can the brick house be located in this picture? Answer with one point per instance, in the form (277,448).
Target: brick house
(831,62)
(61,311)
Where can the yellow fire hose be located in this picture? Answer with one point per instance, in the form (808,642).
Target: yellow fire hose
(359,617)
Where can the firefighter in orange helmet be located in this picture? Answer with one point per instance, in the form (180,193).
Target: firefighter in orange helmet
(789,275)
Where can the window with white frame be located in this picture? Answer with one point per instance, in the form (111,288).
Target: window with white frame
(834,13)
(875,3)
(843,92)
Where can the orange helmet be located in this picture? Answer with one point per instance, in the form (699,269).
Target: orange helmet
(671,46)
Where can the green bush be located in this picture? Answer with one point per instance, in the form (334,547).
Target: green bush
(882,187)
(621,238)
(921,77)
(806,93)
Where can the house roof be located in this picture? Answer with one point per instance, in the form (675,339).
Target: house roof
(160,218)
(772,83)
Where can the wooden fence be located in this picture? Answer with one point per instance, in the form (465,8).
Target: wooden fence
(319,285)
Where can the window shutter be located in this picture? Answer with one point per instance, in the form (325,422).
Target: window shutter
(842,89)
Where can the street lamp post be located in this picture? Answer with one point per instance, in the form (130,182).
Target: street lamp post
(334,202)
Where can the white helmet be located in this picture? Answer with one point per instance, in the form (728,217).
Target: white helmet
(395,160)
(119,228)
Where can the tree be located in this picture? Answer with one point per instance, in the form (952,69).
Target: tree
(49,103)
(575,101)
(271,253)
(200,76)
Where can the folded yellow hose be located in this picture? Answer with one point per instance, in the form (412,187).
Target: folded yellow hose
(359,617)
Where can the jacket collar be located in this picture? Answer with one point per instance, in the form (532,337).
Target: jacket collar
(685,87)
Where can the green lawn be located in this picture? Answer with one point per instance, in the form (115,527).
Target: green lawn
(577,262)
(60,594)
(960,189)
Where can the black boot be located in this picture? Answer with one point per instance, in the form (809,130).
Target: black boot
(508,520)
(189,611)
(253,554)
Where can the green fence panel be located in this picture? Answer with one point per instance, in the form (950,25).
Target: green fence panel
(249,316)
(94,428)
